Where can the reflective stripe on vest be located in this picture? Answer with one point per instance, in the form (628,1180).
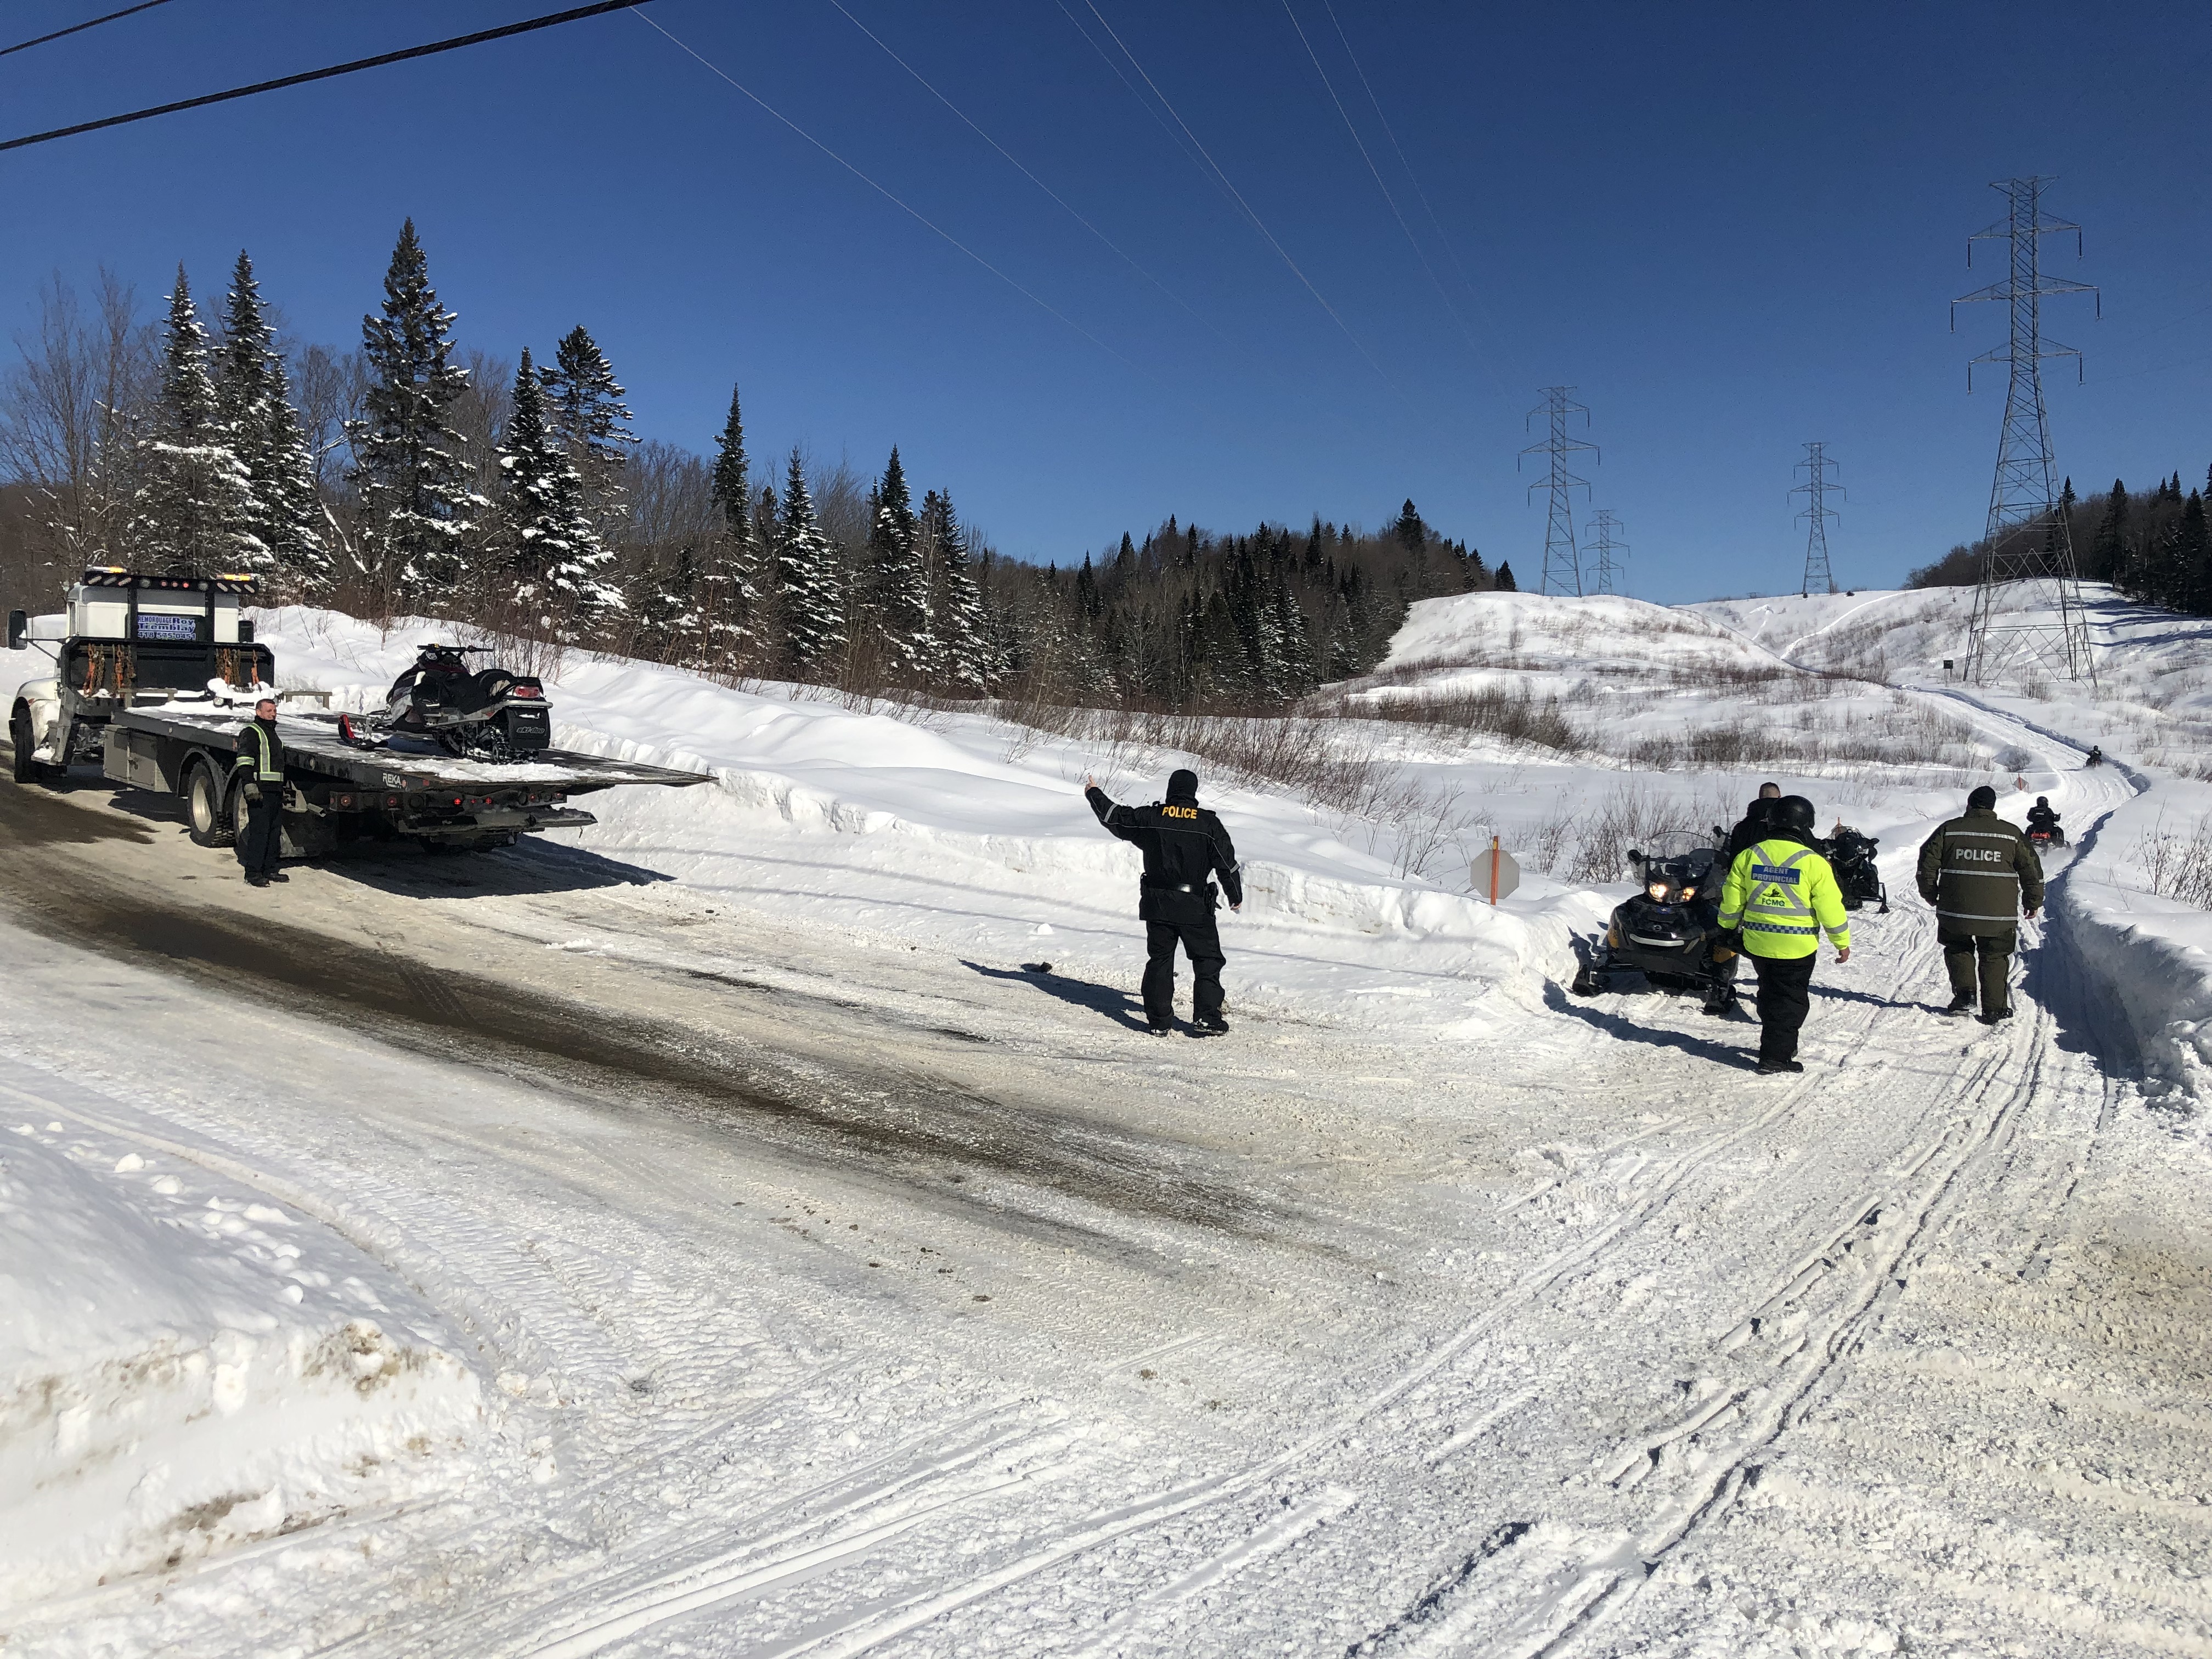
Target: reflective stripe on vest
(266,772)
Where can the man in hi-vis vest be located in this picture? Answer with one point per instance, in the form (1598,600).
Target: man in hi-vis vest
(260,833)
(1980,873)
(1779,897)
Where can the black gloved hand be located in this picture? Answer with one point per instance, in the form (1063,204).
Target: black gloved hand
(1731,938)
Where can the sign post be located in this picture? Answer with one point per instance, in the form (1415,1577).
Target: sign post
(1497,872)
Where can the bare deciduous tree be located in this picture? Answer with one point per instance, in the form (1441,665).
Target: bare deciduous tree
(67,406)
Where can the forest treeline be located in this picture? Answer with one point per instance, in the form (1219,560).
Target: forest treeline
(2153,545)
(407,476)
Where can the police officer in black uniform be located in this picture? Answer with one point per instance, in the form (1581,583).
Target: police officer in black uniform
(261,763)
(1184,847)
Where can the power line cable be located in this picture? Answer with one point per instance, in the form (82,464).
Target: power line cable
(79,28)
(377,61)
(1143,102)
(1258,223)
(1010,159)
(1450,252)
(1360,144)
(913,213)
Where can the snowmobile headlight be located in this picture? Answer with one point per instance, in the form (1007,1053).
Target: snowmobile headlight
(1689,892)
(1657,890)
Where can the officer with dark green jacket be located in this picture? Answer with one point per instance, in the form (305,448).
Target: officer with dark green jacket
(1980,874)
(260,766)
(1779,897)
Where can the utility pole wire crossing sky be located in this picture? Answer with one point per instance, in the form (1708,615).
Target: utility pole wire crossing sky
(526,26)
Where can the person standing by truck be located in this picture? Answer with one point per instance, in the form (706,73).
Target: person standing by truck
(261,763)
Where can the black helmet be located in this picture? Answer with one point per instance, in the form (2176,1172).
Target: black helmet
(2043,801)
(1794,813)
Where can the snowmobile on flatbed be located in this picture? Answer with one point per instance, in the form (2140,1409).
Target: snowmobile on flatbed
(151,677)
(491,714)
(1670,932)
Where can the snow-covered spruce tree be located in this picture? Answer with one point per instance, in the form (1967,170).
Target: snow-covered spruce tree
(898,581)
(552,552)
(194,509)
(408,461)
(253,395)
(810,587)
(586,411)
(732,581)
(967,655)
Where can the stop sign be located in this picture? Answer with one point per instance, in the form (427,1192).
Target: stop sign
(1496,873)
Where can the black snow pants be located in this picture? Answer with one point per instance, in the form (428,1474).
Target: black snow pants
(261,837)
(1989,953)
(1201,943)
(1785,993)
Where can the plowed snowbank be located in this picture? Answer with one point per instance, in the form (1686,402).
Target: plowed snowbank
(184,1367)
(974,832)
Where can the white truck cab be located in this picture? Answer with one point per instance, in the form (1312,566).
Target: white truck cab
(125,639)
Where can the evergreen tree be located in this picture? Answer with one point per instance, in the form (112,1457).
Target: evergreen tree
(898,579)
(1505,583)
(585,412)
(253,397)
(2109,555)
(733,580)
(809,582)
(2192,559)
(969,657)
(408,467)
(194,506)
(552,551)
(1410,532)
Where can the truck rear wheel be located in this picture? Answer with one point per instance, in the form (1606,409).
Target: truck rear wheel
(20,739)
(205,816)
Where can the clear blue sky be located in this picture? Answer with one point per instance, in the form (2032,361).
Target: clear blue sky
(1731,228)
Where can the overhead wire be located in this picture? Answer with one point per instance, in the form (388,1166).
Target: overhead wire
(1016,163)
(79,28)
(435,46)
(904,207)
(1258,223)
(1360,144)
(1450,252)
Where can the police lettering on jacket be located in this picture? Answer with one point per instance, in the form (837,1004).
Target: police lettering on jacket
(1185,846)
(1980,873)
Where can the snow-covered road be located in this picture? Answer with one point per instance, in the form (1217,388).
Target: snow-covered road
(783,1290)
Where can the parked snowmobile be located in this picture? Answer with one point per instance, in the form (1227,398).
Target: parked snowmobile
(490,714)
(1669,932)
(1851,855)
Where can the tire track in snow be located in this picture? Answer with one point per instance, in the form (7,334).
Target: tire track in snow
(1597,1587)
(873,1627)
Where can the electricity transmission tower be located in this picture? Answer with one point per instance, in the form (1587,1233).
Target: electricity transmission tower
(2029,551)
(1602,524)
(1819,578)
(1563,571)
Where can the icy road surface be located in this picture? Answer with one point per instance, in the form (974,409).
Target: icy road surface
(822,1294)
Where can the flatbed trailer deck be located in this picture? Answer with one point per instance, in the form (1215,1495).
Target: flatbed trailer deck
(336,793)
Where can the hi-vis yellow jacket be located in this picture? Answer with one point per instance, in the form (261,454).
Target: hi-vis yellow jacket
(1783,895)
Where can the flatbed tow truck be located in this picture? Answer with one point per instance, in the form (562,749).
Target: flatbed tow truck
(152,677)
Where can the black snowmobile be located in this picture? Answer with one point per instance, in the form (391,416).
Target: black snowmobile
(1670,932)
(490,714)
(1851,855)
